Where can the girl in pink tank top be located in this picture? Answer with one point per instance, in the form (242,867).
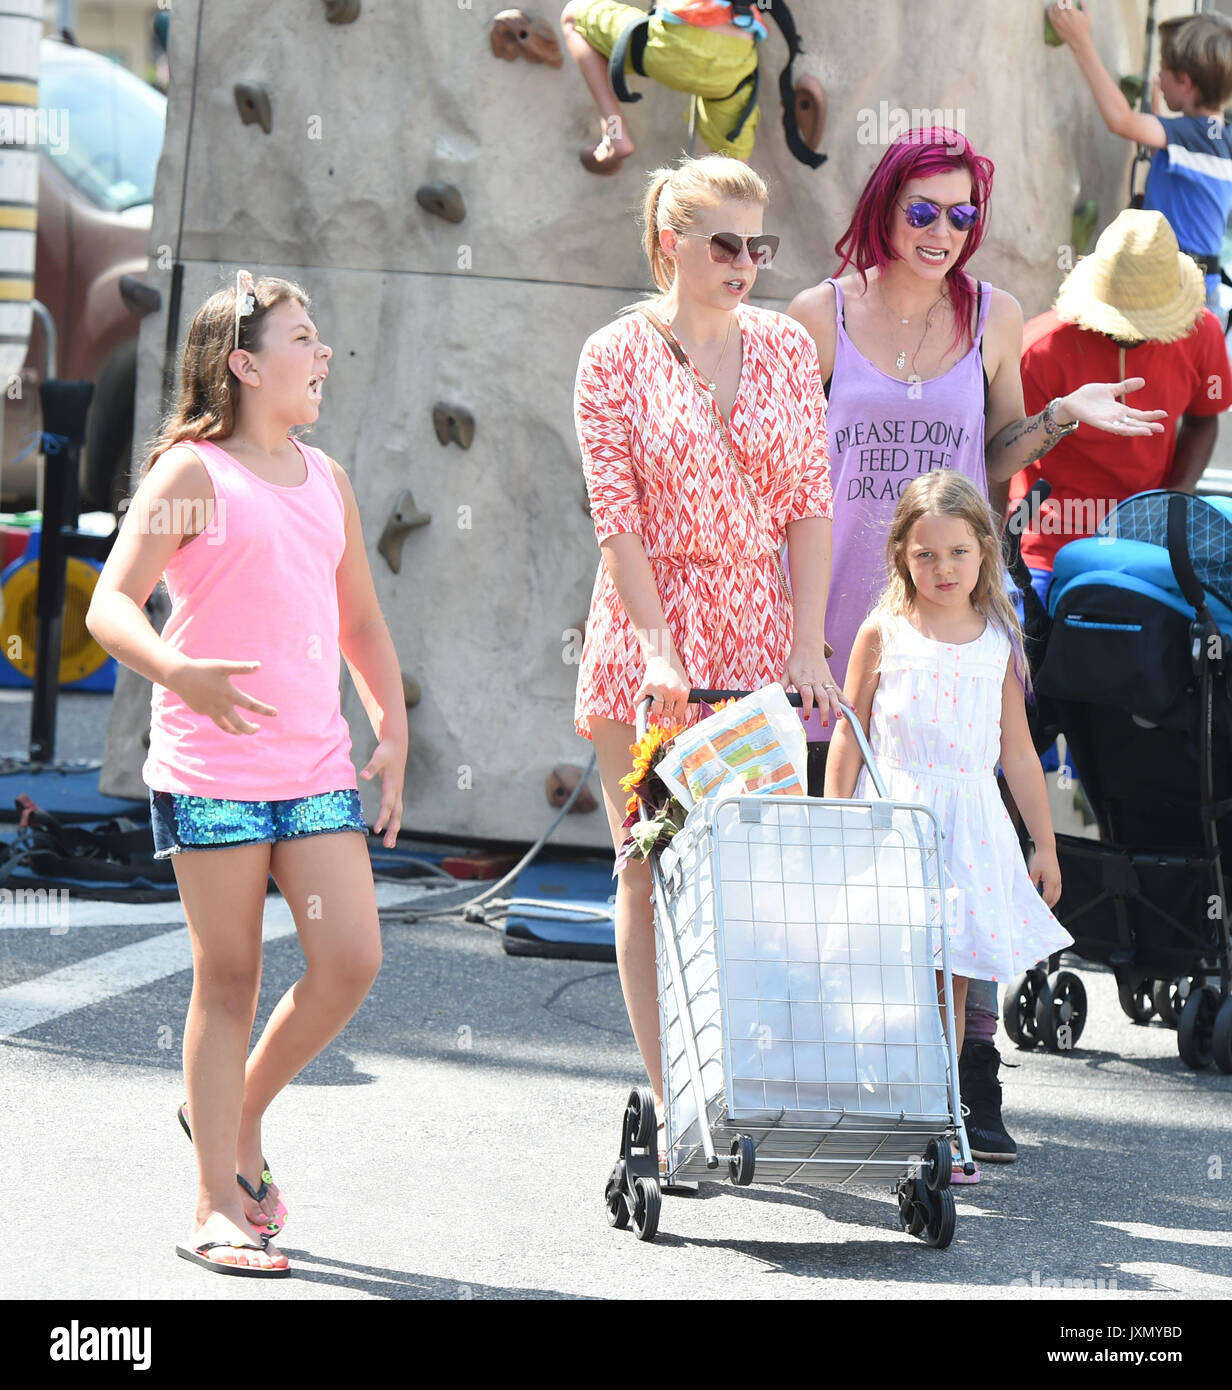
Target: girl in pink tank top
(258,539)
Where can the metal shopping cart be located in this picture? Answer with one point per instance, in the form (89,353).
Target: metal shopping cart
(795,941)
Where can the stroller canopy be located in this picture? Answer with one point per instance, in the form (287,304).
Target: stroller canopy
(1131,553)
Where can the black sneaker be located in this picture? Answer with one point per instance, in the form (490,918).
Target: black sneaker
(981,1094)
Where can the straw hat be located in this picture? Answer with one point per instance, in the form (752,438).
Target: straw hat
(1137,285)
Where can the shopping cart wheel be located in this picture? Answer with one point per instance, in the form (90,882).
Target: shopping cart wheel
(913,1209)
(641,1117)
(743,1160)
(1221,1037)
(646,1204)
(1018,1009)
(939,1165)
(614,1197)
(1169,998)
(940,1229)
(1137,999)
(1061,1015)
(1195,1031)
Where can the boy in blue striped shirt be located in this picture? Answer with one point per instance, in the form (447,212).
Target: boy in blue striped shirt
(1190,179)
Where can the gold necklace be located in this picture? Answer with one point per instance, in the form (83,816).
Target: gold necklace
(714,384)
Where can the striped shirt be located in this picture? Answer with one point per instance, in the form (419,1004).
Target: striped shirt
(1190,182)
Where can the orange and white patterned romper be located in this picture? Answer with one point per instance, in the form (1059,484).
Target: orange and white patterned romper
(656,465)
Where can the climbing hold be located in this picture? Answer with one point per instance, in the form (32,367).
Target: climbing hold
(442,200)
(253,100)
(560,784)
(1131,87)
(139,298)
(404,518)
(342,11)
(453,422)
(515,34)
(411,693)
(586,501)
(1051,37)
(1086,219)
(810,110)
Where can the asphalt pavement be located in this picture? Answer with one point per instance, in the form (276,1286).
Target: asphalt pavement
(454,1141)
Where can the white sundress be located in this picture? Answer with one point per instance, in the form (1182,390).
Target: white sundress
(936,737)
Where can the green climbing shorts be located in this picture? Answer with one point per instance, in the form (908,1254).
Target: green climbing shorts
(686,58)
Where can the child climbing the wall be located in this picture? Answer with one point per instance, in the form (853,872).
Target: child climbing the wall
(932,682)
(258,539)
(1190,179)
(707,48)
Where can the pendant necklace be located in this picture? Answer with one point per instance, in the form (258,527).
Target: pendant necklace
(901,360)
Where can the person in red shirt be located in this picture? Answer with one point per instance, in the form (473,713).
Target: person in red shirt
(1135,308)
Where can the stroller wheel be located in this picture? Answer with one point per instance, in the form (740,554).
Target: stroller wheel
(646,1204)
(1221,1037)
(941,1221)
(1061,1011)
(1137,998)
(1195,1032)
(1018,1009)
(1169,997)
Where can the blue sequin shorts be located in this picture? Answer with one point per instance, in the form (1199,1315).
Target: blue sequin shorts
(206,822)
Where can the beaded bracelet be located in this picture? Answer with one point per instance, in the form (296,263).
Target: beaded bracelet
(1051,428)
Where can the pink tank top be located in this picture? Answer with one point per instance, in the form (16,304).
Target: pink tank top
(258,584)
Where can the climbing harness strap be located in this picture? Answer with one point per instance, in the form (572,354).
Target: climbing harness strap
(630,42)
(631,45)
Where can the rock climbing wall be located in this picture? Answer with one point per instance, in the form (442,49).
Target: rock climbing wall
(302,147)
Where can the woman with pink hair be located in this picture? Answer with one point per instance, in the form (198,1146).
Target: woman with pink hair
(921,370)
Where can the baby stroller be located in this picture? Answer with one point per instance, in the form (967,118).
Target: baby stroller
(1135,671)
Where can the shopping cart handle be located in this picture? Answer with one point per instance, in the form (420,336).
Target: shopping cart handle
(794,697)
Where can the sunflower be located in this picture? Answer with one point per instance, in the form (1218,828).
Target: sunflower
(646,753)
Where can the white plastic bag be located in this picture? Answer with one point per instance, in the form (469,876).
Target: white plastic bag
(755,745)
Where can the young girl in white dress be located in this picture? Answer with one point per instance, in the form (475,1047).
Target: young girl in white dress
(937,678)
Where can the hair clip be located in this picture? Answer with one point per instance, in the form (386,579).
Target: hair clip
(245,299)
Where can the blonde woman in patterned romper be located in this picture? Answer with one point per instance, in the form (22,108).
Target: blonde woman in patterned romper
(688,591)
(933,683)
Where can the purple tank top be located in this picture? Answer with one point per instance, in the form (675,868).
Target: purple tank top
(884,433)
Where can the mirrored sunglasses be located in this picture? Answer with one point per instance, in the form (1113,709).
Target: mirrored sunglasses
(920,214)
(725,247)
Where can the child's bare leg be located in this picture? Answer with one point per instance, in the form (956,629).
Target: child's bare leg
(635,956)
(223,894)
(615,143)
(327,882)
(959,983)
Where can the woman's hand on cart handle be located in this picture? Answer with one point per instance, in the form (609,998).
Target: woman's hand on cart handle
(807,672)
(1045,873)
(667,686)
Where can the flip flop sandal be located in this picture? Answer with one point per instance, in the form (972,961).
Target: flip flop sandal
(196,1255)
(279,1219)
(957,1176)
